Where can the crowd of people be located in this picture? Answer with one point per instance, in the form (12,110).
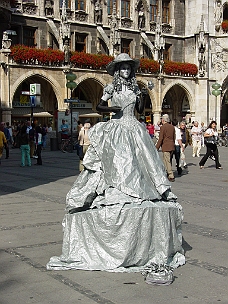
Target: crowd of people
(173,137)
(30,138)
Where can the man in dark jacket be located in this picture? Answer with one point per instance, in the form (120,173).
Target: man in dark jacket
(166,142)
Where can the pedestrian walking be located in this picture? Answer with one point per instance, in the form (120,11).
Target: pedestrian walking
(38,144)
(24,146)
(210,136)
(178,146)
(3,141)
(196,133)
(150,129)
(157,128)
(31,140)
(186,141)
(84,142)
(7,135)
(166,141)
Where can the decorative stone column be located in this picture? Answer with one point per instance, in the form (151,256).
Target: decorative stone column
(156,116)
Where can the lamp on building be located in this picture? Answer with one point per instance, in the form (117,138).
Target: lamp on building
(71,84)
(216,92)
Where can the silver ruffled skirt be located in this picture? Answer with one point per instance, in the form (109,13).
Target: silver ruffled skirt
(131,217)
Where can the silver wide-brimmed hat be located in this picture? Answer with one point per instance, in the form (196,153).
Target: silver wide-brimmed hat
(122,58)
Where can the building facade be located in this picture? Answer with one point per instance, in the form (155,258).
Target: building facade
(190,31)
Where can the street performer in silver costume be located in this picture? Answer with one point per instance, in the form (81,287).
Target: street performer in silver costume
(121,213)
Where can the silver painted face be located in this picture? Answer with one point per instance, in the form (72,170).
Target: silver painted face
(125,70)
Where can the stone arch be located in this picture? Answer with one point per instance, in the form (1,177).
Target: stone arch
(96,78)
(50,79)
(152,94)
(185,87)
(92,86)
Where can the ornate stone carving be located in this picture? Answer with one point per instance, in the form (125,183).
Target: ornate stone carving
(114,32)
(218,14)
(166,28)
(141,18)
(81,16)
(49,9)
(218,56)
(201,49)
(29,8)
(97,11)
(6,42)
(152,26)
(126,22)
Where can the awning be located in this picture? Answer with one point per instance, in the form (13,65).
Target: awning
(40,114)
(94,115)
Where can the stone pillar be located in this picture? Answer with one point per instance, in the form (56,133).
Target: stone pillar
(5,89)
(6,116)
(156,116)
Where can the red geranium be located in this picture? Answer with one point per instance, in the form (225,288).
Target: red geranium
(180,68)
(148,65)
(225,25)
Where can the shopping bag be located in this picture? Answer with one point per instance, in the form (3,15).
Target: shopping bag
(182,159)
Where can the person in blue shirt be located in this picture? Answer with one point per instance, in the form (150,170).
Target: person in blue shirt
(64,130)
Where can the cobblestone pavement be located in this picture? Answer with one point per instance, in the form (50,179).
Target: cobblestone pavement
(32,201)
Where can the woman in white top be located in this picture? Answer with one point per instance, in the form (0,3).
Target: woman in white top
(84,141)
(211,147)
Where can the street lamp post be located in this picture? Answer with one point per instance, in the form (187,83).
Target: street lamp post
(71,84)
(216,92)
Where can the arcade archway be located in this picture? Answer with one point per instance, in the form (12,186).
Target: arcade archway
(176,103)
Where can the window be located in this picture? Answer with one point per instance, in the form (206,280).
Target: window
(166,55)
(125,46)
(68,3)
(225,12)
(165,12)
(153,10)
(29,36)
(125,8)
(80,42)
(80,5)
(110,7)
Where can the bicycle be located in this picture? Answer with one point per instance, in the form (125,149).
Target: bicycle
(67,145)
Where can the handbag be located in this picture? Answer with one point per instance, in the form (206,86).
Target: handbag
(182,159)
(211,140)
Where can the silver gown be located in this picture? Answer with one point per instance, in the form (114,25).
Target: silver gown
(132,217)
